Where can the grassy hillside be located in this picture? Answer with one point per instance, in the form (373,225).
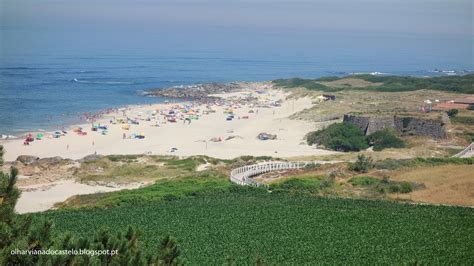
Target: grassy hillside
(244,224)
(459,84)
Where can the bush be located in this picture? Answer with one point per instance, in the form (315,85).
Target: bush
(394,188)
(452,112)
(384,139)
(364,181)
(329,180)
(362,165)
(339,137)
(470,107)
(406,187)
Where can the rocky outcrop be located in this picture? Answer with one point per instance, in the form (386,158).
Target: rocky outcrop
(27,159)
(402,125)
(194,92)
(90,158)
(52,161)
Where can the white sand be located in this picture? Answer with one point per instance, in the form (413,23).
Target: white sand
(44,199)
(192,139)
(189,139)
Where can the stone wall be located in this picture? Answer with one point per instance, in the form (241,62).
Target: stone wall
(402,125)
(359,121)
(379,123)
(420,127)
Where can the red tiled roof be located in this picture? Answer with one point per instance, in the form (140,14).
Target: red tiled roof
(447,106)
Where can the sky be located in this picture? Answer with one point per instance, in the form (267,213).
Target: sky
(239,27)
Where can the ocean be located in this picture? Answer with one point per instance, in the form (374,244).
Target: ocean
(47,92)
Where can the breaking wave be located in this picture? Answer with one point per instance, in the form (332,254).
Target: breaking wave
(100,82)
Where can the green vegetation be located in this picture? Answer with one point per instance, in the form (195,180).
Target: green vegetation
(452,112)
(246,224)
(460,84)
(394,164)
(384,139)
(469,136)
(382,185)
(348,137)
(295,185)
(339,137)
(362,165)
(305,83)
(206,182)
(23,233)
(133,168)
(467,120)
(364,181)
(470,107)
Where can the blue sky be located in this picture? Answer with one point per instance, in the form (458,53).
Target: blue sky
(239,27)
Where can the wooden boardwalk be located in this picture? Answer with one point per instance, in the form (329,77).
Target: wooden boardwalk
(242,175)
(467,152)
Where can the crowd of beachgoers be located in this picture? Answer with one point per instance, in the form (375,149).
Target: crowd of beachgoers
(252,121)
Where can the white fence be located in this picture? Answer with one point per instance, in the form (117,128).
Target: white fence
(242,175)
(467,152)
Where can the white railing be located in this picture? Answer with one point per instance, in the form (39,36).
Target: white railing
(467,152)
(242,175)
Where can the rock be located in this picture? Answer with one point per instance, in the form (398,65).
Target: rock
(266,136)
(50,161)
(27,159)
(90,158)
(195,92)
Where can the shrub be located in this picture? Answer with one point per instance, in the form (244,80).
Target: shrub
(470,107)
(329,180)
(452,112)
(384,139)
(406,187)
(364,181)
(394,188)
(339,137)
(362,165)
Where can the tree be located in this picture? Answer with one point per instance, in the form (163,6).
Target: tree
(168,252)
(452,112)
(22,233)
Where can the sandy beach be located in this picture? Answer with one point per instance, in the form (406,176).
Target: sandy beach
(43,198)
(210,134)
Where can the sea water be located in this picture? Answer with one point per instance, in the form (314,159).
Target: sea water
(47,92)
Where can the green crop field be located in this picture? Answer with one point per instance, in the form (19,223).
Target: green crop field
(243,224)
